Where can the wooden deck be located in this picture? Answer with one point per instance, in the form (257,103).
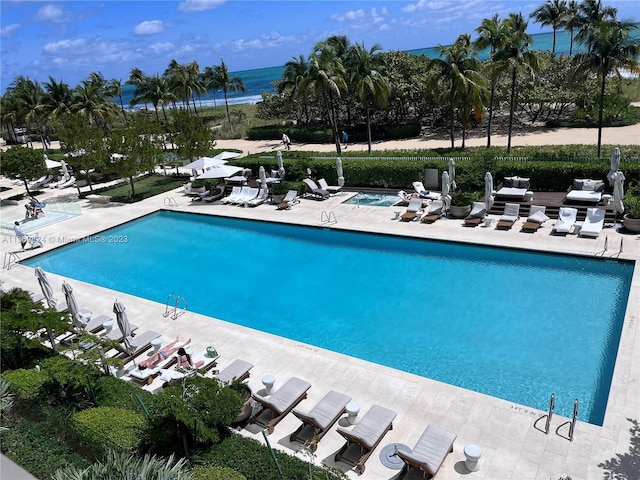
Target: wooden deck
(552,201)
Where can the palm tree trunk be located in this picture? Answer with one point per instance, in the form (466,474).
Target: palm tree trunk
(369,129)
(491,100)
(226,104)
(600,114)
(133,188)
(451,123)
(124,114)
(332,122)
(512,107)
(553,48)
(571,42)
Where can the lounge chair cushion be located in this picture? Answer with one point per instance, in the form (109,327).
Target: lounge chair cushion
(432,448)
(236,370)
(281,400)
(371,427)
(538,217)
(324,413)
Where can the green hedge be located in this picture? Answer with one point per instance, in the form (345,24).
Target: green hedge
(103,428)
(26,383)
(212,472)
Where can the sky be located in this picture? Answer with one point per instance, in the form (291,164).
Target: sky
(68,40)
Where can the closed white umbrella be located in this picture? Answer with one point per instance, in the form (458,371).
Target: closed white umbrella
(488,191)
(446,186)
(125,328)
(452,174)
(221,171)
(47,290)
(78,316)
(279,158)
(615,165)
(262,174)
(339,172)
(204,162)
(618,192)
(65,170)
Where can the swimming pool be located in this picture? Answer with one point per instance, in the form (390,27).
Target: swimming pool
(373,199)
(486,319)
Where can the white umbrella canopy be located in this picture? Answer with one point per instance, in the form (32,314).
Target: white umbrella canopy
(65,170)
(204,162)
(446,186)
(488,191)
(221,171)
(279,158)
(47,289)
(224,156)
(339,172)
(52,164)
(615,165)
(618,192)
(262,174)
(452,174)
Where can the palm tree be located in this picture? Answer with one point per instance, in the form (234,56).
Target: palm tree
(326,78)
(552,13)
(91,100)
(295,71)
(458,68)
(29,96)
(590,13)
(368,83)
(492,35)
(115,90)
(222,79)
(571,22)
(56,101)
(184,81)
(136,78)
(155,90)
(515,56)
(9,109)
(610,48)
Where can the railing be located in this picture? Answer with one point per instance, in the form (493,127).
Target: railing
(10,259)
(170,202)
(573,420)
(328,218)
(552,406)
(173,311)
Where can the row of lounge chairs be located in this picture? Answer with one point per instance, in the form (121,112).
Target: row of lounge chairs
(427,456)
(249,196)
(566,222)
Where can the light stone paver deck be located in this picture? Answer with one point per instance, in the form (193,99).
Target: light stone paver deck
(512,448)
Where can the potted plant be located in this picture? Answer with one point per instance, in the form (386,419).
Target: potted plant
(631,219)
(248,402)
(278,191)
(461,203)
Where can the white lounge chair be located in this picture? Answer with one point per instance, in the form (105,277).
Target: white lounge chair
(235,192)
(317,422)
(585,191)
(514,187)
(594,222)
(477,214)
(247,194)
(415,205)
(322,183)
(536,218)
(260,199)
(430,451)
(566,220)
(315,191)
(434,212)
(68,183)
(510,215)
(280,403)
(289,199)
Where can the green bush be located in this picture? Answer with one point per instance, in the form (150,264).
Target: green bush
(100,429)
(406,130)
(36,450)
(212,472)
(69,382)
(113,392)
(26,383)
(254,461)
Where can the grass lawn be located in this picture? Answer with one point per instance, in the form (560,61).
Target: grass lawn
(145,187)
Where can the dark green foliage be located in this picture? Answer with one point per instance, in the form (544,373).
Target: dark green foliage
(253,460)
(193,413)
(212,472)
(35,450)
(98,430)
(406,130)
(69,382)
(24,163)
(21,319)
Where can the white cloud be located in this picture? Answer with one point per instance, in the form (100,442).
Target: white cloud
(348,16)
(62,46)
(50,13)
(9,31)
(149,27)
(162,47)
(199,5)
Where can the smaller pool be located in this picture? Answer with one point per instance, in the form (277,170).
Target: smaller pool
(373,199)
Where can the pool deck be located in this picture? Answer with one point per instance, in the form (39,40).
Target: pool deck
(510,435)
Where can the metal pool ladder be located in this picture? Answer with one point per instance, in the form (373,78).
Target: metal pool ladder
(180,306)
(328,217)
(170,202)
(10,259)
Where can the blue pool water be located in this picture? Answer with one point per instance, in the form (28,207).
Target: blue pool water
(373,199)
(511,324)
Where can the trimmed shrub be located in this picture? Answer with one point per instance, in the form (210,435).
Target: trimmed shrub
(100,429)
(212,472)
(26,383)
(113,392)
(405,130)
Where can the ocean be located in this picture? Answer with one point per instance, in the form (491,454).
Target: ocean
(260,80)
